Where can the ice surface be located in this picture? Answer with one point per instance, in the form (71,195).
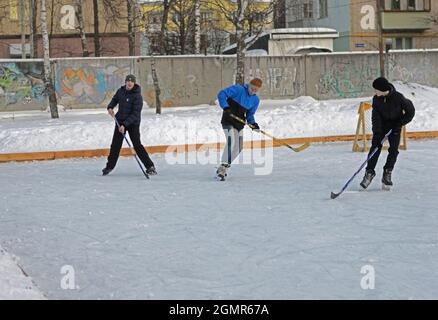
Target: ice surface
(183,235)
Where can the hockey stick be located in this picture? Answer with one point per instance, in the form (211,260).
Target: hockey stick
(132,149)
(335,195)
(298,149)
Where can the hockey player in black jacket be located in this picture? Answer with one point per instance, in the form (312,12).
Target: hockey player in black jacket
(130,102)
(391,110)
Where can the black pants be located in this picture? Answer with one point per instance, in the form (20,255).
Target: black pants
(116,145)
(394,142)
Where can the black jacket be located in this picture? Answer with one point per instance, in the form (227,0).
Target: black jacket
(238,111)
(391,112)
(130,105)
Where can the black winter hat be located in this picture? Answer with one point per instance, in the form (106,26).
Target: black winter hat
(381,84)
(130,77)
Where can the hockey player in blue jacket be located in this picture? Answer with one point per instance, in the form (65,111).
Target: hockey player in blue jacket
(241,101)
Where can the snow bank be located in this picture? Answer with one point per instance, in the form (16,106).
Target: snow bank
(301,117)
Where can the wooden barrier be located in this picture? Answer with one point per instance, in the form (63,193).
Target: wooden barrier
(52,155)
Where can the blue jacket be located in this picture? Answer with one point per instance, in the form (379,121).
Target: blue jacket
(240,94)
(130,104)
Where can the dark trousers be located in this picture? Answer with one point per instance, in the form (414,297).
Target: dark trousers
(394,142)
(116,145)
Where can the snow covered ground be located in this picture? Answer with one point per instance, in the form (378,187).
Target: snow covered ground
(301,117)
(183,235)
(14,284)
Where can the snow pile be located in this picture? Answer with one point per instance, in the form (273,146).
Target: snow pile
(301,117)
(14,284)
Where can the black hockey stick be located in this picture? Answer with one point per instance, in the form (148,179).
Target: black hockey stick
(132,149)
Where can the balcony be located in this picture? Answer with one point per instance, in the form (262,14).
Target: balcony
(406,20)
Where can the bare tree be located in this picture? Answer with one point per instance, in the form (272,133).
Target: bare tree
(81,27)
(167,4)
(97,49)
(280,14)
(22,30)
(47,66)
(183,13)
(156,86)
(33,42)
(131,31)
(52,19)
(197,35)
(248,18)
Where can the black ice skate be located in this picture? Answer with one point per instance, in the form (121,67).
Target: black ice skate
(106,171)
(386,180)
(221,172)
(369,175)
(151,171)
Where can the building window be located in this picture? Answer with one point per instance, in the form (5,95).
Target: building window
(407,5)
(395,5)
(323,9)
(399,43)
(297,13)
(308,10)
(411,5)
(408,43)
(206,16)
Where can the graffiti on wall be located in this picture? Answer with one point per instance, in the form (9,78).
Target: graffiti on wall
(21,83)
(284,81)
(346,80)
(172,96)
(424,71)
(88,85)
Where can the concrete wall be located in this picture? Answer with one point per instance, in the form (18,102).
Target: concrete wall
(190,80)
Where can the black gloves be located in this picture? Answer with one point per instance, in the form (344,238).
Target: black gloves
(255,126)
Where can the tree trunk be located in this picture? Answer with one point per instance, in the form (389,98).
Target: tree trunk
(197,4)
(380,37)
(182,35)
(240,36)
(47,66)
(52,20)
(131,31)
(80,17)
(23,33)
(97,50)
(163,33)
(33,42)
(156,86)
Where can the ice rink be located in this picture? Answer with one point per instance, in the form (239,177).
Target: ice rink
(184,235)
